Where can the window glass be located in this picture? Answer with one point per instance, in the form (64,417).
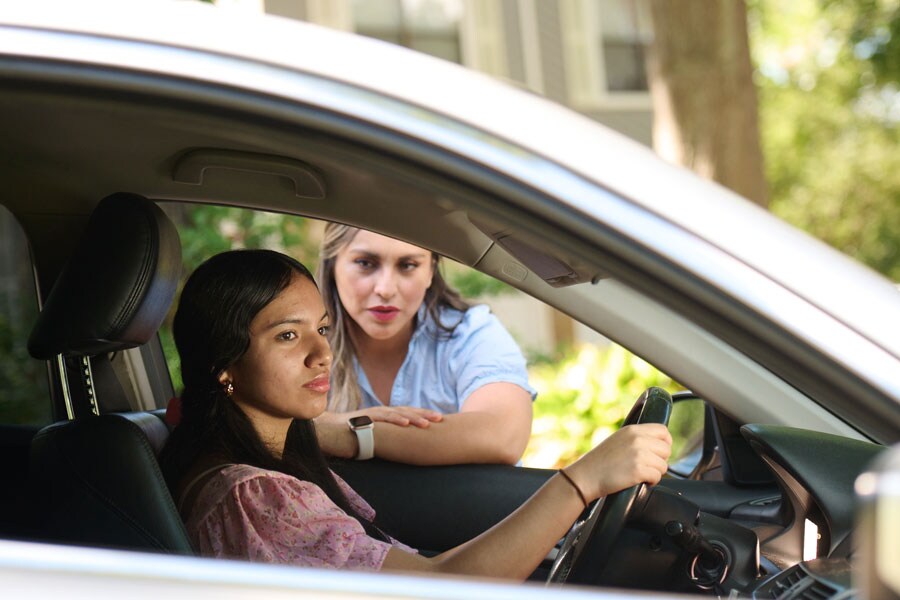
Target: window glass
(429,26)
(625,34)
(586,384)
(24,388)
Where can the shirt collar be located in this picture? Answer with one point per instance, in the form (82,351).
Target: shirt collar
(422,323)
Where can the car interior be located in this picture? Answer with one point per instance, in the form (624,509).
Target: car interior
(90,154)
(102,303)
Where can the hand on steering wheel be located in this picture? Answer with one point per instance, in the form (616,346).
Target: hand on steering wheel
(590,542)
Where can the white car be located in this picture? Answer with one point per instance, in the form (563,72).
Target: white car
(793,348)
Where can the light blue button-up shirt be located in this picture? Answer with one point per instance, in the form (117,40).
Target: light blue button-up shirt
(441,372)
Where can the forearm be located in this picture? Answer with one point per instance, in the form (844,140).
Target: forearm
(514,547)
(469,437)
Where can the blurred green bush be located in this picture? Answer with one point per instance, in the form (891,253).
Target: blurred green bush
(22,379)
(583,397)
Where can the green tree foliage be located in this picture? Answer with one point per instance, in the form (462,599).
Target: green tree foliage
(207,230)
(876,35)
(828,74)
(583,398)
(471,283)
(24,384)
(22,379)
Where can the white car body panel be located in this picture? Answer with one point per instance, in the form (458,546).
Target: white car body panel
(30,570)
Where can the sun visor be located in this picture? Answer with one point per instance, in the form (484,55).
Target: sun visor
(554,269)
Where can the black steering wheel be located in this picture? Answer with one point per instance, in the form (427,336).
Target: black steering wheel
(590,541)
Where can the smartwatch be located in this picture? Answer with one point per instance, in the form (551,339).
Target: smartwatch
(363,427)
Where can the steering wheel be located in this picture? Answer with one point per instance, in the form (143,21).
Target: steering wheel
(590,541)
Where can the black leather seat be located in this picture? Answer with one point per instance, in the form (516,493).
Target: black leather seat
(95,478)
(101,485)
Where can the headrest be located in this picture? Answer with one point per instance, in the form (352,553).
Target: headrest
(118,285)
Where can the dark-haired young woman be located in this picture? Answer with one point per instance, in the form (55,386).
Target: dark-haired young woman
(244,463)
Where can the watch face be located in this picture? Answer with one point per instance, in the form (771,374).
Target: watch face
(362,421)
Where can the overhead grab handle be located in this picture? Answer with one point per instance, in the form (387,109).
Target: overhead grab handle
(192,166)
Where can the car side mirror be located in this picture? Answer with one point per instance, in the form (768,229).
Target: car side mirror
(693,437)
(877,534)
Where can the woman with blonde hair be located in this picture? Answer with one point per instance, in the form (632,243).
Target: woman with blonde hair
(419,375)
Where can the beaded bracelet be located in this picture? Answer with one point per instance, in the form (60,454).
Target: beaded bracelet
(574,485)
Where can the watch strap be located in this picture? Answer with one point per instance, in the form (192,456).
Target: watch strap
(365,436)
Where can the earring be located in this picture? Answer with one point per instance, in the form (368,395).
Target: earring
(229,389)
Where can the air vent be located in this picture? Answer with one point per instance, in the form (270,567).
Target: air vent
(795,584)
(816,591)
(786,581)
(782,584)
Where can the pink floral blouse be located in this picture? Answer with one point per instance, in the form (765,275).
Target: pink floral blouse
(267,516)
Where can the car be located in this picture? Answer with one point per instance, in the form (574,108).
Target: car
(790,350)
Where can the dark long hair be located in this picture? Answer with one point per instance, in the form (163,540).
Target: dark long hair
(212,331)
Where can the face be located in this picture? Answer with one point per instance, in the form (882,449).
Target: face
(284,373)
(382,283)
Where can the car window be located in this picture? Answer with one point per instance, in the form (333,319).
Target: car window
(208,229)
(24,388)
(585,384)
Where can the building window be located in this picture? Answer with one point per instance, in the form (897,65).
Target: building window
(604,46)
(429,26)
(625,33)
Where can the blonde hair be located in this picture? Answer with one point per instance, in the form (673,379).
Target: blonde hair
(345,394)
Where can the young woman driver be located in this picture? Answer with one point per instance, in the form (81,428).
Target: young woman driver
(409,351)
(245,466)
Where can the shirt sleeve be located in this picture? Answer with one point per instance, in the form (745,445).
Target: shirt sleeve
(287,521)
(362,508)
(484,352)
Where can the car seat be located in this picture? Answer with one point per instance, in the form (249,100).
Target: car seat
(95,477)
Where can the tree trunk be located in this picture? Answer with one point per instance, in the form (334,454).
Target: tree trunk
(704,99)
